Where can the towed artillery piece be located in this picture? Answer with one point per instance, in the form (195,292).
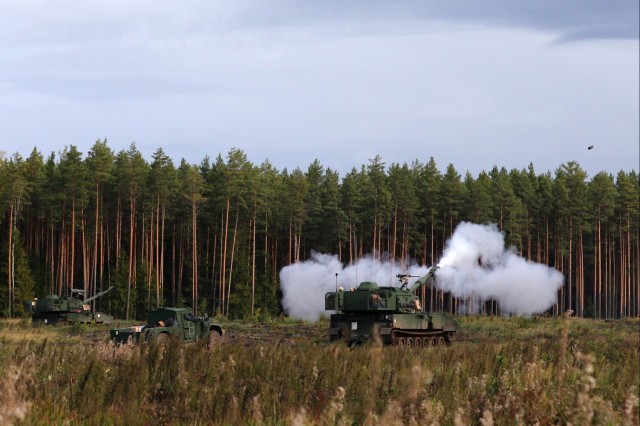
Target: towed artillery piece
(388,315)
(53,309)
(165,323)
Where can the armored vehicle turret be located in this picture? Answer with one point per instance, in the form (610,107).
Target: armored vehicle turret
(54,309)
(388,315)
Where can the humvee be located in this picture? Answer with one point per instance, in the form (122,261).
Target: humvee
(165,323)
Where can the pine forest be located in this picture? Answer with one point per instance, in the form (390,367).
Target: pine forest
(214,236)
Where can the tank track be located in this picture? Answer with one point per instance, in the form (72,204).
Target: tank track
(420,338)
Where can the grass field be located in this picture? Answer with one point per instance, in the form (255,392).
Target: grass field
(500,371)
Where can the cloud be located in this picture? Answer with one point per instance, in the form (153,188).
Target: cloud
(570,20)
(475,85)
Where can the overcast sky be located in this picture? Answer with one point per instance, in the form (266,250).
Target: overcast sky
(475,84)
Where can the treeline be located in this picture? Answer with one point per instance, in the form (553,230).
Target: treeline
(215,235)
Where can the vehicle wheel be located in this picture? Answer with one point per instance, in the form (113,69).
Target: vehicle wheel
(409,341)
(434,341)
(214,339)
(441,341)
(418,342)
(425,342)
(401,341)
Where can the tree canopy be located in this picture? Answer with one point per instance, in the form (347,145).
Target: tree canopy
(215,235)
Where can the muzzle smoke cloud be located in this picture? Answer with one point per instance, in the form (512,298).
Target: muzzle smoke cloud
(304,284)
(475,263)
(475,267)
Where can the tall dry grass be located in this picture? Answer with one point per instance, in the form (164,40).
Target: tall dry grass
(501,372)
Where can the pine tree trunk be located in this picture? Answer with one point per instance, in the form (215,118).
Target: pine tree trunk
(620,304)
(84,250)
(597,273)
(528,237)
(222,294)
(637,276)
(181,256)
(52,261)
(161,264)
(432,290)
(173,265)
(581,270)
(570,269)
(395,234)
(606,275)
(253,264)
(118,230)
(157,252)
(73,243)
(132,209)
(622,275)
(10,260)
(290,238)
(629,300)
(351,252)
(147,252)
(102,253)
(233,249)
(375,235)
(266,247)
(213,274)
(274,258)
(224,256)
(94,277)
(62,241)
(194,254)
(340,236)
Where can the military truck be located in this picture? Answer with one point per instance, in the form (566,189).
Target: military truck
(165,323)
(388,315)
(54,309)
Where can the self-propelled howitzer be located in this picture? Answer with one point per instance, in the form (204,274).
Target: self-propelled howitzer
(388,315)
(53,309)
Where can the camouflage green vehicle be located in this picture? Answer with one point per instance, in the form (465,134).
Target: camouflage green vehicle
(388,315)
(54,309)
(165,323)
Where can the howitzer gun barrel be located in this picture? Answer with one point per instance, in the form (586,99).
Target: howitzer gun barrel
(102,293)
(423,280)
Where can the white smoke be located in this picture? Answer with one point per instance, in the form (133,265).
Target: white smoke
(304,284)
(476,267)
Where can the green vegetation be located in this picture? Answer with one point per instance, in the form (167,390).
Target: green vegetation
(215,236)
(501,371)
